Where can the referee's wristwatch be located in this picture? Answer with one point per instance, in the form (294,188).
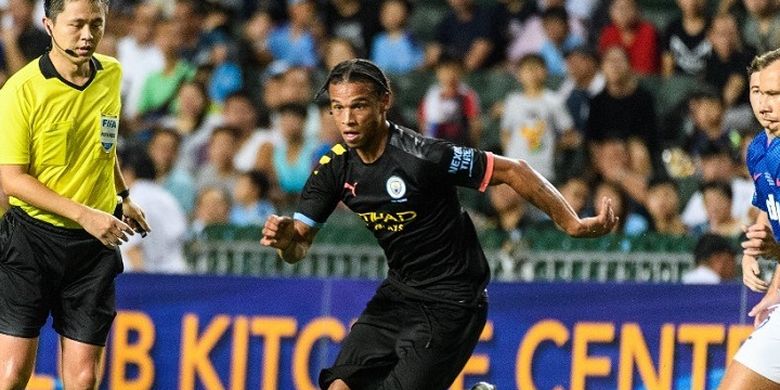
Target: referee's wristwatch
(121,196)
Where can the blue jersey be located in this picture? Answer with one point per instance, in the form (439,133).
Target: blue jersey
(763,162)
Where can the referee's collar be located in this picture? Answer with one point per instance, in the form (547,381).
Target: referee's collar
(49,71)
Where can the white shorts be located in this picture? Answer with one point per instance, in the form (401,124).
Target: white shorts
(760,351)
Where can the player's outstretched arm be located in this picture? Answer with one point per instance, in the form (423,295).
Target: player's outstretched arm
(19,184)
(291,238)
(541,193)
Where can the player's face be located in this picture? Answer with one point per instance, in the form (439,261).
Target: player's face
(359,113)
(755,94)
(769,101)
(79,28)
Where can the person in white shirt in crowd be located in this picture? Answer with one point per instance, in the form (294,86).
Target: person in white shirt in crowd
(138,54)
(163,251)
(715,261)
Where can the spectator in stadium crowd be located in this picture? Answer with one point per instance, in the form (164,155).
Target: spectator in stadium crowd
(251,206)
(253,51)
(528,33)
(469,31)
(329,134)
(761,28)
(558,40)
(584,80)
(717,163)
(163,251)
(296,88)
(635,35)
(139,55)
(160,88)
(189,15)
(621,132)
(708,125)
(337,50)
(718,199)
(163,148)
(663,206)
(212,207)
(241,112)
(194,120)
(294,42)
(354,20)
(288,163)
(715,261)
(395,49)
(726,71)
(535,123)
(22,40)
(685,45)
(450,109)
(219,170)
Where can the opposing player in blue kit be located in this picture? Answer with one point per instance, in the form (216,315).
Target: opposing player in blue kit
(757,363)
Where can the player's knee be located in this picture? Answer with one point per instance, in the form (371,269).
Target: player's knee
(338,384)
(14,379)
(83,379)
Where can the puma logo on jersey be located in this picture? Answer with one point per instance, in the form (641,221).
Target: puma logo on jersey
(351,188)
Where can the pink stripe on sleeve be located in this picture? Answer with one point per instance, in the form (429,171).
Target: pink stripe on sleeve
(488,172)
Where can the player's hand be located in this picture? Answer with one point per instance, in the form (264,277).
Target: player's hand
(278,232)
(765,307)
(105,227)
(760,242)
(751,274)
(133,216)
(601,224)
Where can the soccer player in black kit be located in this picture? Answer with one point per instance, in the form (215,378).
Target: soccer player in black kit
(421,326)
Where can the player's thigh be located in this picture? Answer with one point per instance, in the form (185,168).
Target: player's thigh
(18,353)
(87,304)
(433,357)
(739,377)
(759,353)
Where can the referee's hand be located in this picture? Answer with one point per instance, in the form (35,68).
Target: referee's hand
(105,227)
(278,232)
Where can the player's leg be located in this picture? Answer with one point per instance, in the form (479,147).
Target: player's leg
(757,363)
(739,377)
(367,354)
(435,345)
(17,360)
(82,364)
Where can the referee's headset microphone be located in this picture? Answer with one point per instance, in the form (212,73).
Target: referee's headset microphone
(69,52)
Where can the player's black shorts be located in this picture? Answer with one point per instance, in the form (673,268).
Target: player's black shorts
(68,272)
(404,343)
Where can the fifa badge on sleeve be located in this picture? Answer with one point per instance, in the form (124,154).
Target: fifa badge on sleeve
(109,131)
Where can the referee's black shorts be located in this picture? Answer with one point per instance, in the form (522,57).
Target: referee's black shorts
(47,269)
(404,343)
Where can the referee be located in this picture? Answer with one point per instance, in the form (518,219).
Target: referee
(421,326)
(58,241)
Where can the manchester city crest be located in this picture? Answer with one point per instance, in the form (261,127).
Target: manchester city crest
(396,187)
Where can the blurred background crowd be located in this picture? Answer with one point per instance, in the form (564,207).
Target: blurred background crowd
(645,101)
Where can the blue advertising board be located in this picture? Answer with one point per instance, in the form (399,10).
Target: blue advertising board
(196,332)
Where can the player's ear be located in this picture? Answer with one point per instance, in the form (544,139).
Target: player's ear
(385,101)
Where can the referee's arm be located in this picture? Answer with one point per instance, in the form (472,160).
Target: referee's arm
(19,184)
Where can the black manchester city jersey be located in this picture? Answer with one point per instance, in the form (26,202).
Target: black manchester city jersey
(408,199)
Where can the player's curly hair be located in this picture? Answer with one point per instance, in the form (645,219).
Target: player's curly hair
(52,8)
(357,69)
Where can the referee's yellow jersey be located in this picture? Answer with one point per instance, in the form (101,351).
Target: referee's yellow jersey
(66,135)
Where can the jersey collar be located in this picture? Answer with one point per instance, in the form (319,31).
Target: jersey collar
(48,71)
